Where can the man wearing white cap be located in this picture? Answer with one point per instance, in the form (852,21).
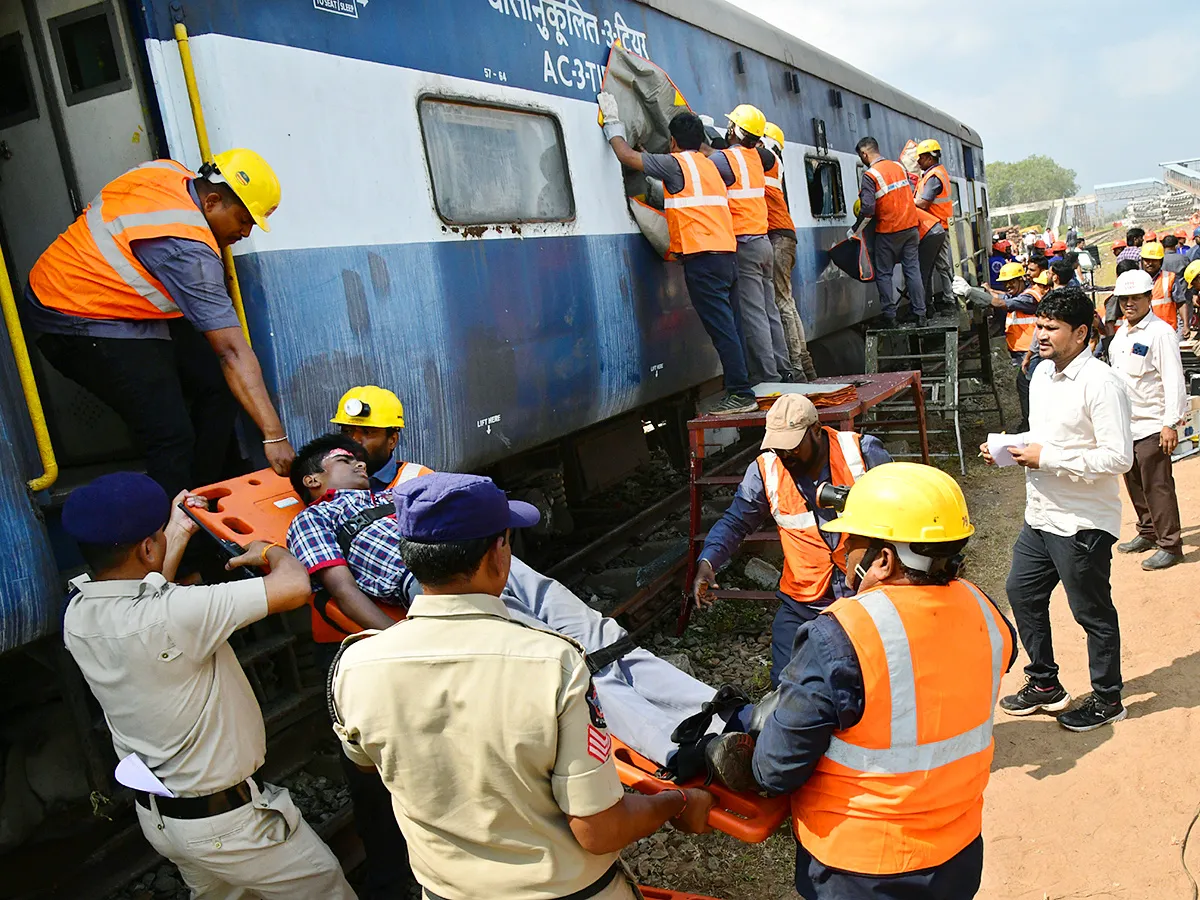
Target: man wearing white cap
(798,454)
(1145,354)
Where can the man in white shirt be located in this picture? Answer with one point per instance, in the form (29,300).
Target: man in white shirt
(1145,354)
(1079,441)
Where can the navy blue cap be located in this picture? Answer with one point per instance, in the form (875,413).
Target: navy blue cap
(121,508)
(444,507)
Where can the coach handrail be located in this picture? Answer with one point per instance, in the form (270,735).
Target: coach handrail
(33,400)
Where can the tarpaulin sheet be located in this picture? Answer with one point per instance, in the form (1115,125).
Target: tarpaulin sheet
(647,100)
(851,257)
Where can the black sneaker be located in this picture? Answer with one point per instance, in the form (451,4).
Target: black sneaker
(1091,714)
(735,405)
(1030,699)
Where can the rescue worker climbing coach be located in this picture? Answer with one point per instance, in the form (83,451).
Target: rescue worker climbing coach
(110,296)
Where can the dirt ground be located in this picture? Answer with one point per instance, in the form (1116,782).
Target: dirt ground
(1099,815)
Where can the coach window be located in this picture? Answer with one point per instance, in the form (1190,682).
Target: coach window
(490,164)
(825,196)
(17,103)
(91,60)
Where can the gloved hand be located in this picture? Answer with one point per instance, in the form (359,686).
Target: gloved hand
(960,286)
(608,109)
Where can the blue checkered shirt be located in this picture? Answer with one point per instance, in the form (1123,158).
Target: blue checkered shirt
(1134,253)
(374,557)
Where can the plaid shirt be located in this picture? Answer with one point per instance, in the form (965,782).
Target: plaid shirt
(374,557)
(1134,253)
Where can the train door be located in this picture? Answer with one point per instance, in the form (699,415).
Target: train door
(72,117)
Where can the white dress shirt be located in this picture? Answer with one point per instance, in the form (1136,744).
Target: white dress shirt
(1081,418)
(1146,357)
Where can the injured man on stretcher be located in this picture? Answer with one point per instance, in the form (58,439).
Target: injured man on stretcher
(346,537)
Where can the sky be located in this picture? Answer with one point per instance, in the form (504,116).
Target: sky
(983,70)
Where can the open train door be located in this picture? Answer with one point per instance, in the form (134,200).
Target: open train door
(72,118)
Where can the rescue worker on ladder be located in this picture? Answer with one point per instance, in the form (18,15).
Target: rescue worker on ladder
(1169,294)
(933,196)
(798,454)
(782,232)
(373,416)
(882,732)
(1021,300)
(762,331)
(109,298)
(886,197)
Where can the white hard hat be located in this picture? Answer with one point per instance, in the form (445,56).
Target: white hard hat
(1133,283)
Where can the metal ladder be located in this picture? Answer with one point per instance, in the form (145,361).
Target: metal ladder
(912,347)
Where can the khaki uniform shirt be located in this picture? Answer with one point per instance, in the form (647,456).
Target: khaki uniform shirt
(487,733)
(157,658)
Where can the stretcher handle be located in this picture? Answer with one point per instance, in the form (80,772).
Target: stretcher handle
(228,547)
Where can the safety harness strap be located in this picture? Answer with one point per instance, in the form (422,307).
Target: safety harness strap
(353,527)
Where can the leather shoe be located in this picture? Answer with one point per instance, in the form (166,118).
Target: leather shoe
(730,759)
(1161,560)
(1138,545)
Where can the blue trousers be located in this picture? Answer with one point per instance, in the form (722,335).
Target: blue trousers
(901,247)
(955,879)
(711,282)
(788,619)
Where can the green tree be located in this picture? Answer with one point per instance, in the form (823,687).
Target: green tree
(1033,179)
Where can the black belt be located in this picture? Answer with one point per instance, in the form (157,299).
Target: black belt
(590,891)
(606,656)
(200,807)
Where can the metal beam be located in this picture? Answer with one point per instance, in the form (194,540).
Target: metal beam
(1083,200)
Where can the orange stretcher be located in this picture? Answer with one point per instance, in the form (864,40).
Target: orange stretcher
(260,507)
(660,894)
(747,817)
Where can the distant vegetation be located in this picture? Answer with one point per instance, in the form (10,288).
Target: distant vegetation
(1028,181)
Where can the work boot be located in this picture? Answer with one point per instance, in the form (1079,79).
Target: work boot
(1138,545)
(806,361)
(727,700)
(760,714)
(884,323)
(730,758)
(1161,560)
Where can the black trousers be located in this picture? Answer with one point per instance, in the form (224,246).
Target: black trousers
(955,879)
(171,395)
(1082,563)
(389,876)
(1023,389)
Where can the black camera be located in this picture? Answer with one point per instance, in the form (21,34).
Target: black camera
(832,496)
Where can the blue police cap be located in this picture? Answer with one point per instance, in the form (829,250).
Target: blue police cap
(444,507)
(121,508)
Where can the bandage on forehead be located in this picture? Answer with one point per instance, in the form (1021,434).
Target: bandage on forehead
(336,452)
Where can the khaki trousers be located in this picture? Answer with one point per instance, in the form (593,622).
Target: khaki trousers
(263,849)
(789,316)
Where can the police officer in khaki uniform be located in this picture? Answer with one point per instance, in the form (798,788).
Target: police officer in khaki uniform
(487,732)
(157,657)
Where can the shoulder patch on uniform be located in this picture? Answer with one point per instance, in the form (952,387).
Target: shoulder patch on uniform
(599,741)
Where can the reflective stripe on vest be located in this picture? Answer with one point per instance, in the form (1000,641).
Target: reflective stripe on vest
(698,216)
(894,211)
(905,754)
(943,204)
(697,197)
(1160,297)
(747,194)
(795,521)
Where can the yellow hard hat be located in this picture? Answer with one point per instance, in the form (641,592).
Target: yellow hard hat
(748,118)
(1191,272)
(774,132)
(929,145)
(252,179)
(857,208)
(905,502)
(1042,278)
(1152,250)
(1011,270)
(371,407)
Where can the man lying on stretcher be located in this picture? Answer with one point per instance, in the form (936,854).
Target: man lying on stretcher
(347,539)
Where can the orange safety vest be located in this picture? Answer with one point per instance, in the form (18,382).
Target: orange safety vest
(808,562)
(943,204)
(779,218)
(925,221)
(1161,302)
(902,790)
(90,270)
(325,628)
(747,194)
(1018,324)
(894,207)
(698,217)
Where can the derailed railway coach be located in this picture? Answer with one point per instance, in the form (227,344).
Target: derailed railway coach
(453,226)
